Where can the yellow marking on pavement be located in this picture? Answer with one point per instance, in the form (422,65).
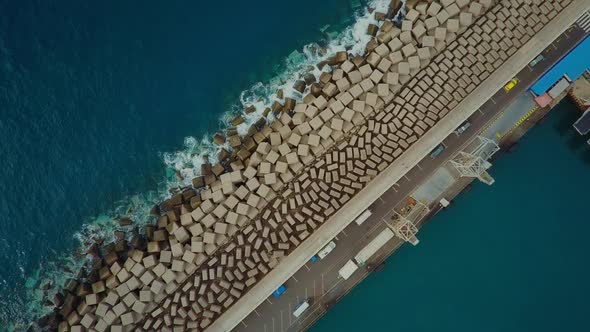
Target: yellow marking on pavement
(520,121)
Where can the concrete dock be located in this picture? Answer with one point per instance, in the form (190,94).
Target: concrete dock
(320,280)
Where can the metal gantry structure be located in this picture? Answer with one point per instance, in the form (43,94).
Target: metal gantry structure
(473,162)
(403,223)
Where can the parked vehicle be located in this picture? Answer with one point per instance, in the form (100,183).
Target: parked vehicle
(326,250)
(279,291)
(510,85)
(463,128)
(363,217)
(300,308)
(348,269)
(536,60)
(437,151)
(370,249)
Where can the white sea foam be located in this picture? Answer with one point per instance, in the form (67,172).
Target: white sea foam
(183,165)
(187,162)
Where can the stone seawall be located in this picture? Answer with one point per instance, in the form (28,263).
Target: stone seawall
(215,241)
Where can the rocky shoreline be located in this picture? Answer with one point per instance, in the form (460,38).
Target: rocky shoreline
(277,184)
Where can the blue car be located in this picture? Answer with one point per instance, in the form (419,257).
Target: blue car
(279,291)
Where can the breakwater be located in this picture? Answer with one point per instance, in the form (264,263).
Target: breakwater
(293,174)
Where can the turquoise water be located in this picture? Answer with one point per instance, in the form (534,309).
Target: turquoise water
(511,257)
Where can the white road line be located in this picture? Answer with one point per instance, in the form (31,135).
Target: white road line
(273,324)
(307,267)
(281,320)
(268,301)
(294,278)
(343,232)
(381,199)
(419,167)
(306,293)
(394,189)
(407,178)
(314,288)
(480,111)
(257,312)
(244,324)
(323,284)
(493,101)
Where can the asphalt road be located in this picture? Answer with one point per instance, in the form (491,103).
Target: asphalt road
(319,281)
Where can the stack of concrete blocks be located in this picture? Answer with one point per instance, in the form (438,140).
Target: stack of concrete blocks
(306,165)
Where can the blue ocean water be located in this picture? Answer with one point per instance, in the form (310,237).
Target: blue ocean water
(93,94)
(512,257)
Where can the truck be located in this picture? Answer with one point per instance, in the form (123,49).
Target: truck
(326,250)
(300,308)
(348,269)
(370,249)
(363,217)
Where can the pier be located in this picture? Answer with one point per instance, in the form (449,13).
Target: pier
(359,137)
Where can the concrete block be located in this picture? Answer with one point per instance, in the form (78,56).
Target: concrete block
(465,19)
(403,68)
(428,41)
(407,25)
(414,62)
(395,44)
(408,50)
(442,16)
(453,25)
(440,33)
(433,9)
(396,57)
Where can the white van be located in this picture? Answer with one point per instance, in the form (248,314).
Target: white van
(299,309)
(363,217)
(326,250)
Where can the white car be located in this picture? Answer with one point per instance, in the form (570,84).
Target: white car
(326,250)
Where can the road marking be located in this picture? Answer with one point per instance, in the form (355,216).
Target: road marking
(480,111)
(493,101)
(307,267)
(381,199)
(407,178)
(394,189)
(244,324)
(314,288)
(343,232)
(281,320)
(306,293)
(273,324)
(264,327)
(323,284)
(419,167)
(268,301)
(294,278)
(256,312)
